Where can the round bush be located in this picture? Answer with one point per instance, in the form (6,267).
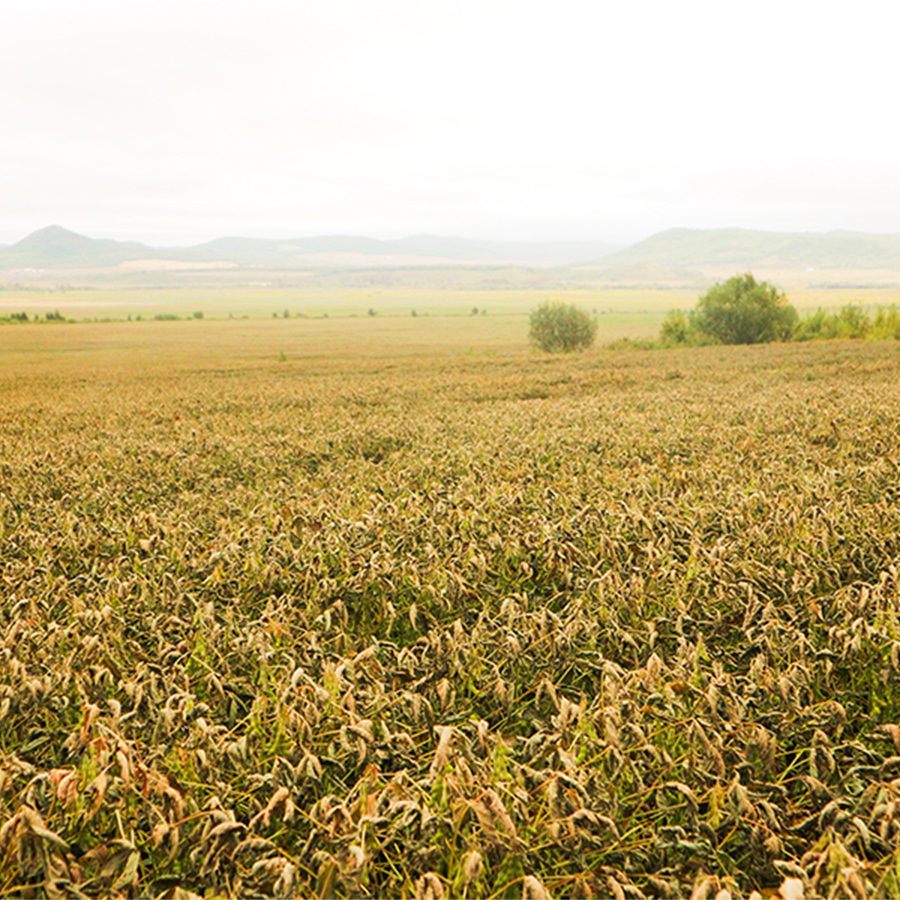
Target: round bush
(558,327)
(744,311)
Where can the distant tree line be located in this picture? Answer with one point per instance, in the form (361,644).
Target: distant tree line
(55,316)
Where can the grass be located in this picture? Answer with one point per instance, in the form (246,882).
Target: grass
(387,606)
(633,313)
(266,299)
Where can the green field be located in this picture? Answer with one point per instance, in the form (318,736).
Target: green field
(502,314)
(396,606)
(502,319)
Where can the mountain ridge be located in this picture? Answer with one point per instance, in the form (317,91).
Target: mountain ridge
(745,248)
(55,247)
(665,256)
(55,244)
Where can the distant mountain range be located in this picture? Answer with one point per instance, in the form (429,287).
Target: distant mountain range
(669,256)
(742,249)
(58,248)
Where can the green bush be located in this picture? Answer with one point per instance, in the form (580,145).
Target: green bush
(744,311)
(558,327)
(849,322)
(817,326)
(853,322)
(676,329)
(887,323)
(740,311)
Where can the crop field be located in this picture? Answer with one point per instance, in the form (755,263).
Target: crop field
(398,607)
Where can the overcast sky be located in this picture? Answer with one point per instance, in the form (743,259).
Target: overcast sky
(175,121)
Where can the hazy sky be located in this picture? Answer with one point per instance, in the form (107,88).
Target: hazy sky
(174,121)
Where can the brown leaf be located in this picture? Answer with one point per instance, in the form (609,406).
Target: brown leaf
(429,887)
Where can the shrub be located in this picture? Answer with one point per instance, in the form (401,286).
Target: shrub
(887,323)
(744,311)
(817,326)
(853,322)
(558,327)
(676,329)
(850,321)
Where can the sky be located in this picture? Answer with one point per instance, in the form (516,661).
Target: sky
(176,122)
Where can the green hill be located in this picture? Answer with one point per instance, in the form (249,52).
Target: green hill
(741,248)
(59,248)
(666,257)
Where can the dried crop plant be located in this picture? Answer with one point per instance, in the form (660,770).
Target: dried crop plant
(569,628)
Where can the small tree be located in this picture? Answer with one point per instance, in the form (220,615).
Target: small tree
(742,311)
(558,327)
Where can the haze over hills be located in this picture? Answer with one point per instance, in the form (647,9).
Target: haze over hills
(739,249)
(58,248)
(680,257)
